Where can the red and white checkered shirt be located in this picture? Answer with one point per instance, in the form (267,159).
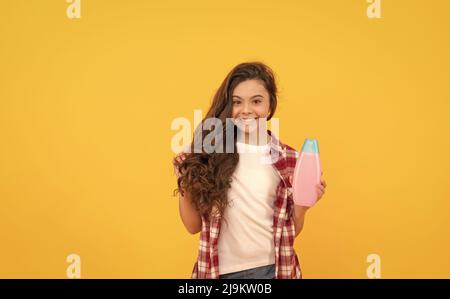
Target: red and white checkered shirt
(286,260)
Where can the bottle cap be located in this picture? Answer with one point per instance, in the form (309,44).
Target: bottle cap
(310,146)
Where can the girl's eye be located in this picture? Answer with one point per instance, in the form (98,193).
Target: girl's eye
(236,102)
(257,101)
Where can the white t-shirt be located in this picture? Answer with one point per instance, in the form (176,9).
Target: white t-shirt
(246,237)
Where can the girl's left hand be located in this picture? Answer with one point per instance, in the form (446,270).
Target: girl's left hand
(321,189)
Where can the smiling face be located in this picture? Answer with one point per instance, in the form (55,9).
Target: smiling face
(251,101)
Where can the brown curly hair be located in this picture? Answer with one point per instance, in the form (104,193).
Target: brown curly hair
(207,176)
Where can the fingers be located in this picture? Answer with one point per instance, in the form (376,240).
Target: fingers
(321,188)
(180,158)
(320,193)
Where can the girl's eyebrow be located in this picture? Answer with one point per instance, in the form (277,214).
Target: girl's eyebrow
(256,95)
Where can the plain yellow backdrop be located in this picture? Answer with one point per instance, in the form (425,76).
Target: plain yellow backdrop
(86,107)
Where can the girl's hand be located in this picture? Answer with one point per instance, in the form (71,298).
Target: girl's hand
(321,189)
(179,158)
(300,211)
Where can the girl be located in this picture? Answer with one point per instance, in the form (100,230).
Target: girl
(241,204)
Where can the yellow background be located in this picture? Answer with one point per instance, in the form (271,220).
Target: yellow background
(86,107)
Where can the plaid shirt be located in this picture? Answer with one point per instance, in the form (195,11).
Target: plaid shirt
(286,260)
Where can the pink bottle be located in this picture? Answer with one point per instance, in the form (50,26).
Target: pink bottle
(307,174)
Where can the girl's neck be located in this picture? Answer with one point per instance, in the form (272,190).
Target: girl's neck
(260,140)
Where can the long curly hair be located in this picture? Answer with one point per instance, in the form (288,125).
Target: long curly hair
(207,176)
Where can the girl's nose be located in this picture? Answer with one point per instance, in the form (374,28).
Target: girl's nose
(246,109)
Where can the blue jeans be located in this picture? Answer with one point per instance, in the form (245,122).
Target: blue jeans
(264,272)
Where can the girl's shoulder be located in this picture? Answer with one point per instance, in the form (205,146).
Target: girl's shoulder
(288,156)
(286,150)
(289,151)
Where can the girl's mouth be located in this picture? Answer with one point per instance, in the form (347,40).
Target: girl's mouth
(246,121)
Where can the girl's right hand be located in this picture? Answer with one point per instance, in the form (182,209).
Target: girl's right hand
(179,159)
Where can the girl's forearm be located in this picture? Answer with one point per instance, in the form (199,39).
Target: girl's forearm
(189,214)
(299,218)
